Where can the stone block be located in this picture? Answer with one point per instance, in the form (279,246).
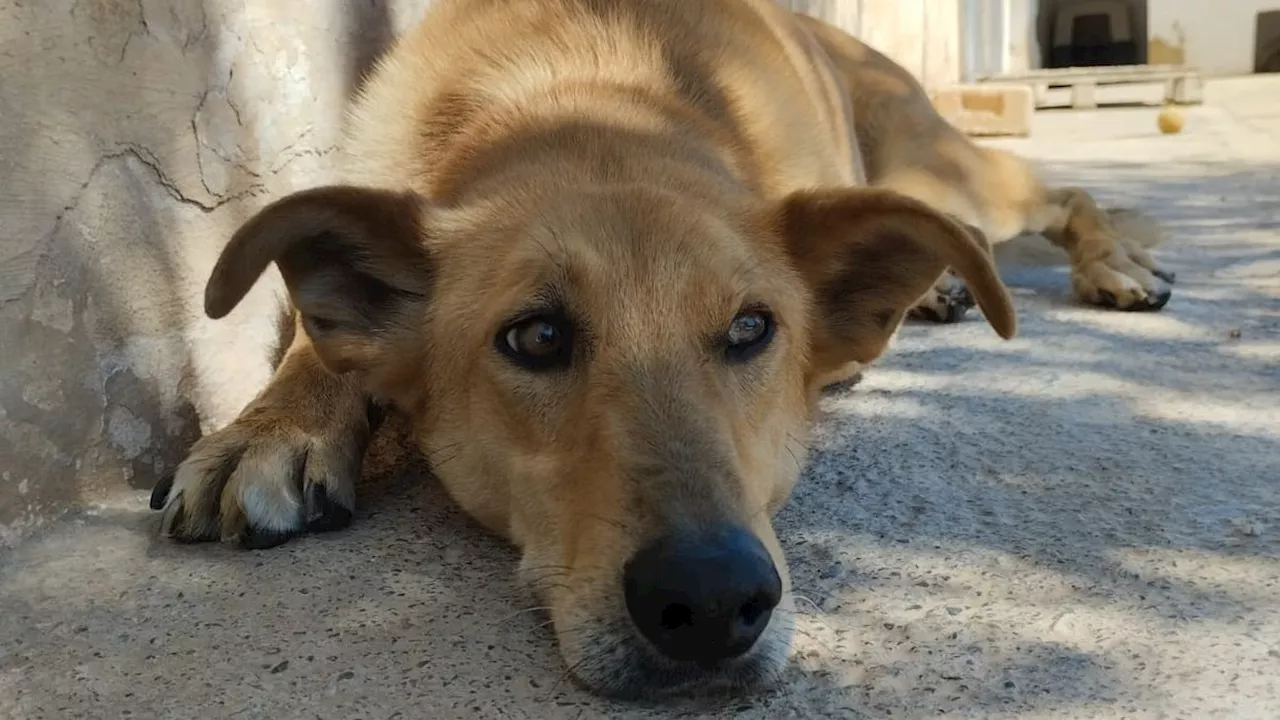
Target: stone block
(986,110)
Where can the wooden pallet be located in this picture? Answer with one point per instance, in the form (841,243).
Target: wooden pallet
(1183,86)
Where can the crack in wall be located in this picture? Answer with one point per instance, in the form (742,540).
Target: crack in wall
(145,30)
(147,158)
(101,16)
(193,38)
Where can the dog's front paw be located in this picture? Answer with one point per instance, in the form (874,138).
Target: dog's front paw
(262,480)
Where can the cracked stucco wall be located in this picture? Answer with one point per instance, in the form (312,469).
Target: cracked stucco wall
(136,135)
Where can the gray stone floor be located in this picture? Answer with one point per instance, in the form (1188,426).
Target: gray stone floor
(1080,523)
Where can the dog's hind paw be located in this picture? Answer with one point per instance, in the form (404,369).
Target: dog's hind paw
(1126,279)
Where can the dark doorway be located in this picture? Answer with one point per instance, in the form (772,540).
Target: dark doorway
(1090,33)
(1266,43)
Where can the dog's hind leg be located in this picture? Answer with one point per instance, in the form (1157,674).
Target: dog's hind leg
(1000,196)
(287,465)
(1109,266)
(906,146)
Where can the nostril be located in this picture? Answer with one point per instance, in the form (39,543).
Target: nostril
(753,610)
(676,616)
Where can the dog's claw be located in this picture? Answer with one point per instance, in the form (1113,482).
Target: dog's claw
(1149,302)
(160,493)
(258,539)
(1154,301)
(1166,276)
(842,385)
(949,305)
(323,514)
(172,522)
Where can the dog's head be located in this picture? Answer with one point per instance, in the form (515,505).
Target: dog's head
(620,381)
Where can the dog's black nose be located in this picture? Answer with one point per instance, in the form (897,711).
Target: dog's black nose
(703,597)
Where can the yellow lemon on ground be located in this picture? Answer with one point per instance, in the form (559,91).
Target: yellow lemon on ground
(1170,120)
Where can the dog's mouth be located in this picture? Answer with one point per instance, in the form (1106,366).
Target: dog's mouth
(612,659)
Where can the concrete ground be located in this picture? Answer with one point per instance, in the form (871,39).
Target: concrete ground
(1084,522)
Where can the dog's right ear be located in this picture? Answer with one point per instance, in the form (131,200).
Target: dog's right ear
(354,262)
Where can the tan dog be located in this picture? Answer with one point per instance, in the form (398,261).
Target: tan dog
(607,253)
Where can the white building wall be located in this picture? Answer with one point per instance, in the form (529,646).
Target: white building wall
(1214,36)
(1217,37)
(944,41)
(921,35)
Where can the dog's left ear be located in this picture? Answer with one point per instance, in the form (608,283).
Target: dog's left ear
(868,256)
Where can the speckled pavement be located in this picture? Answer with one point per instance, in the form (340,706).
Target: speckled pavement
(1081,523)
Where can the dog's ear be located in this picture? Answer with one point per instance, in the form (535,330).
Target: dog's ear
(354,262)
(868,256)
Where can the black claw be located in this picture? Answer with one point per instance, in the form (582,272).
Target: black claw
(842,385)
(255,539)
(375,413)
(323,514)
(1150,303)
(1154,301)
(1166,276)
(160,493)
(954,308)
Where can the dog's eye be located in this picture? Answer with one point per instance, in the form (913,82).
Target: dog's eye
(537,343)
(748,335)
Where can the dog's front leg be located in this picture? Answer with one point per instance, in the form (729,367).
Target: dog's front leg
(946,302)
(287,465)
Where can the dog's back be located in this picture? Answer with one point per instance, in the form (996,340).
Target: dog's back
(484,80)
